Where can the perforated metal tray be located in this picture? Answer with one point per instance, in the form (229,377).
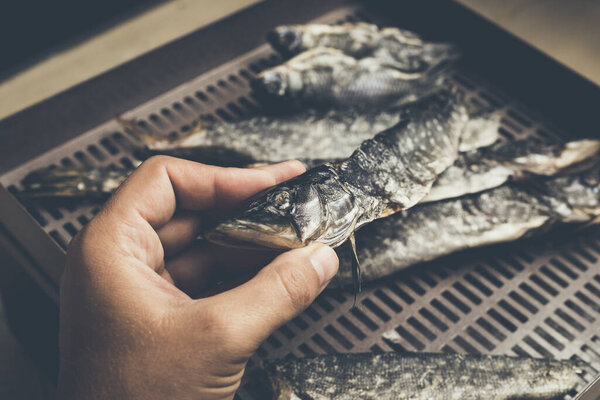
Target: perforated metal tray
(539,298)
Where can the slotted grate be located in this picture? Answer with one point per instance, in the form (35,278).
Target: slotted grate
(539,298)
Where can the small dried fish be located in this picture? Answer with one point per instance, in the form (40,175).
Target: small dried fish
(490,167)
(66,182)
(503,214)
(324,77)
(306,135)
(399,48)
(420,376)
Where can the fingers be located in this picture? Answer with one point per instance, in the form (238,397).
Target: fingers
(280,291)
(226,187)
(161,183)
(185,226)
(285,170)
(148,198)
(180,231)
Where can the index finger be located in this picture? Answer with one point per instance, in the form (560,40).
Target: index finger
(161,184)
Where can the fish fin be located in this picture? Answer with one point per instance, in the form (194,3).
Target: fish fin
(444,67)
(277,385)
(391,209)
(593,221)
(355,267)
(437,52)
(482,130)
(282,390)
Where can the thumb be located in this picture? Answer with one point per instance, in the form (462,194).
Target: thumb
(281,290)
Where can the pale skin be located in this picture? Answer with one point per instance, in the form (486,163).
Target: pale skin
(141,314)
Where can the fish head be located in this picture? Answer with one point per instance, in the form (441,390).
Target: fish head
(286,39)
(548,157)
(576,195)
(285,216)
(293,214)
(272,83)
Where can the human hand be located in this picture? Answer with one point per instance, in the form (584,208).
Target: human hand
(128,332)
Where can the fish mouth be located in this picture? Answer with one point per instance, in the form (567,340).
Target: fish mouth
(269,83)
(284,40)
(577,151)
(274,39)
(254,235)
(571,154)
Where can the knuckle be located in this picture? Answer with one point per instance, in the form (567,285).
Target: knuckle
(157,160)
(155,163)
(296,286)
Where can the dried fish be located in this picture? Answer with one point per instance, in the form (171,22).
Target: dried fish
(71,182)
(503,214)
(420,376)
(306,135)
(399,48)
(324,77)
(490,167)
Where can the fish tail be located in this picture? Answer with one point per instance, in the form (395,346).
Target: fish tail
(65,182)
(153,144)
(49,182)
(482,130)
(440,71)
(438,52)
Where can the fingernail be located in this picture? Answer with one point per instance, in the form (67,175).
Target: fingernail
(325,262)
(299,165)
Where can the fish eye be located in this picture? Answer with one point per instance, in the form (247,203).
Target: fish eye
(272,86)
(282,200)
(287,38)
(273,82)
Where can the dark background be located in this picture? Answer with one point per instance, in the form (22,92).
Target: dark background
(30,29)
